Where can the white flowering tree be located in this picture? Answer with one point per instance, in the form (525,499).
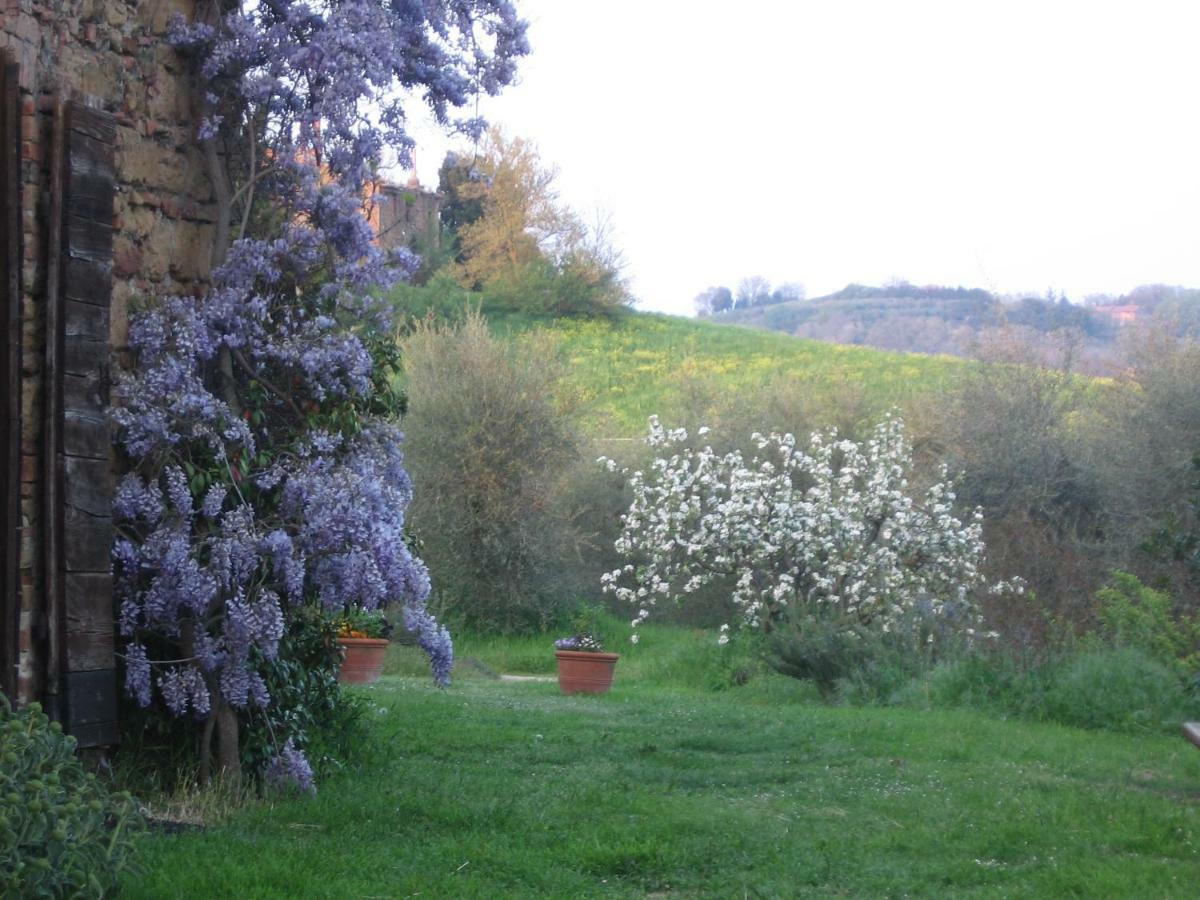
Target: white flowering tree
(832,532)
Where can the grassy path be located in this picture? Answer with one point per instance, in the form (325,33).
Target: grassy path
(509,790)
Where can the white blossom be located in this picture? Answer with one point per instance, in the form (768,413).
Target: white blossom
(830,529)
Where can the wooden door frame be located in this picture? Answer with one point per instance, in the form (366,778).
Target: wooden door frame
(10,372)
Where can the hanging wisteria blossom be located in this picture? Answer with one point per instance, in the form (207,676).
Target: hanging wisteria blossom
(265,466)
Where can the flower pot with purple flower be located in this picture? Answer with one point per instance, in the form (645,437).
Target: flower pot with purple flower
(583,666)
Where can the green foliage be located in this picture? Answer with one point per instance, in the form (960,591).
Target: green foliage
(861,664)
(308,705)
(588,627)
(822,651)
(1132,676)
(459,208)
(1118,690)
(575,286)
(488,447)
(61,833)
(1098,688)
(995,683)
(1178,537)
(1134,615)
(441,298)
(354,621)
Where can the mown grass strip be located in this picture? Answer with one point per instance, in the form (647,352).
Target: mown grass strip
(495,789)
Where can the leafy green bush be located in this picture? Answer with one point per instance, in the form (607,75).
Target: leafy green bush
(1133,673)
(61,833)
(440,298)
(817,650)
(864,664)
(489,449)
(1120,689)
(1134,615)
(1117,690)
(993,682)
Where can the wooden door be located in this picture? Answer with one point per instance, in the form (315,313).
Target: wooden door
(10,372)
(78,484)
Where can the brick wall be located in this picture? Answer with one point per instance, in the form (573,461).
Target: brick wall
(407,217)
(114,54)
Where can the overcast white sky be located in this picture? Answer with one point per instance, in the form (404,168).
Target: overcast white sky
(1016,146)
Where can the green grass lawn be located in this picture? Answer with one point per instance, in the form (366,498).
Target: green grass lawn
(499,789)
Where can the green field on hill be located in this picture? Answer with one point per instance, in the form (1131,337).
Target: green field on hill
(625,370)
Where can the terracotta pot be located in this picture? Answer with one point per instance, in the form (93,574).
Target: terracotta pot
(580,672)
(362,659)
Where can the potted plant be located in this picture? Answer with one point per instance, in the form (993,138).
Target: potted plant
(583,666)
(363,637)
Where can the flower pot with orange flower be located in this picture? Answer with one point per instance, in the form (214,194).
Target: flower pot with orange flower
(363,637)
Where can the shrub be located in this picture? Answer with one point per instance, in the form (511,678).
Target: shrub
(860,664)
(1119,690)
(1134,615)
(1108,689)
(822,652)
(993,682)
(1010,424)
(489,449)
(61,833)
(576,286)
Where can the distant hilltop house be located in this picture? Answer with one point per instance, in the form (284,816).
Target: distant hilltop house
(1121,315)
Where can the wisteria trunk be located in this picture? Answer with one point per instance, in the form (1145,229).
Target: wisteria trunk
(229,760)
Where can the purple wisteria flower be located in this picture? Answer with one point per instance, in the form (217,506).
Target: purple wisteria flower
(290,768)
(264,472)
(580,642)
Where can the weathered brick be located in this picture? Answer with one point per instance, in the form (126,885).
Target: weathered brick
(127,256)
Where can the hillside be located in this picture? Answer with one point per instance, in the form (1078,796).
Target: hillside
(918,319)
(930,319)
(642,364)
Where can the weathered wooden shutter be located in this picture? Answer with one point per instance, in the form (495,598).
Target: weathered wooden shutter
(79,484)
(10,372)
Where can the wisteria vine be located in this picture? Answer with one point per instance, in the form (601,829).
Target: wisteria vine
(265,466)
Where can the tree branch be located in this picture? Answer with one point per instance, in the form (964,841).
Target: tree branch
(277,391)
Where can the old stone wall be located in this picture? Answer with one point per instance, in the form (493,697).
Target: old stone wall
(112,54)
(407,217)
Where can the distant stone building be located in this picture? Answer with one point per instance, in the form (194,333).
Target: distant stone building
(1120,315)
(104,199)
(407,216)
